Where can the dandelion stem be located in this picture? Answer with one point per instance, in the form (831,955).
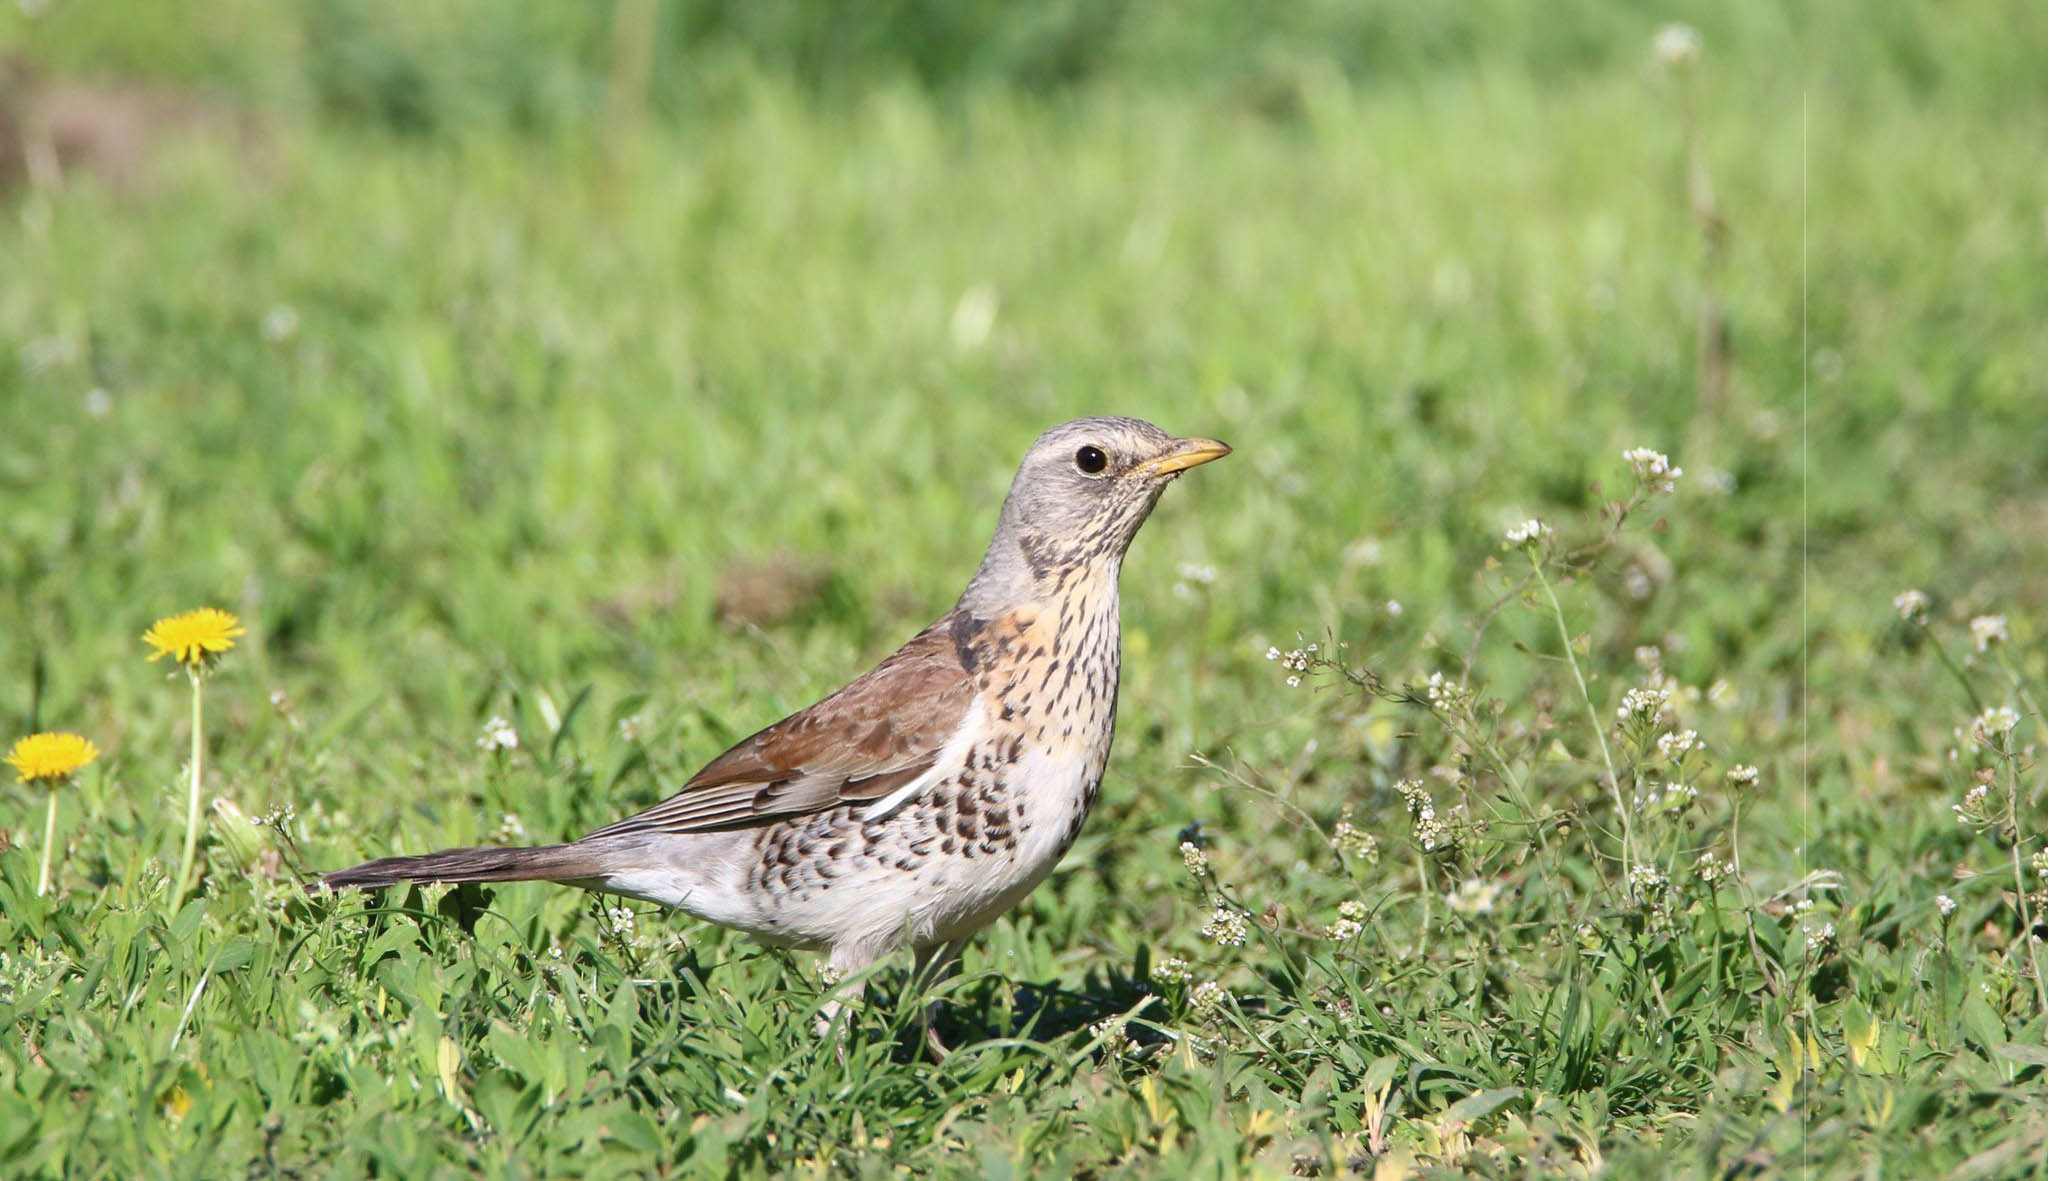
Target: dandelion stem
(192,796)
(1616,791)
(49,840)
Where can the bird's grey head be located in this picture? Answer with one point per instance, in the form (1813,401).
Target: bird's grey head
(1078,499)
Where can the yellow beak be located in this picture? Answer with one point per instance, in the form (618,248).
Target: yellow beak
(1183,455)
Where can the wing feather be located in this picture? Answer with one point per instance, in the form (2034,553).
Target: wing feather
(871,739)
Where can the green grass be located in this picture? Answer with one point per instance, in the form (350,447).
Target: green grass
(547,383)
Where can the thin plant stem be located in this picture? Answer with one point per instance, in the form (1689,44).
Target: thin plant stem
(1951,665)
(192,795)
(49,840)
(1616,790)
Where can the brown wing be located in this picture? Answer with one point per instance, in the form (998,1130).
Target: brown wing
(872,737)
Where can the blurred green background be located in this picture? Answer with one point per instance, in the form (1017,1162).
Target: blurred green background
(481,353)
(589,302)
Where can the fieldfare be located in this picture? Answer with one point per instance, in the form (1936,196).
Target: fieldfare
(914,806)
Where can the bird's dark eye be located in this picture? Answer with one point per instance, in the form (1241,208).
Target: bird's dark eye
(1090,461)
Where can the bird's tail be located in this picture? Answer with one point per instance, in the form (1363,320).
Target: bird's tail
(542,863)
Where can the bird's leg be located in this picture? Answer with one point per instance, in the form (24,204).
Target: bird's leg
(935,962)
(844,961)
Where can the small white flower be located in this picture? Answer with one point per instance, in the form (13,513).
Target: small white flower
(1822,937)
(1912,605)
(1354,841)
(1292,680)
(1475,896)
(621,918)
(1677,46)
(1202,574)
(1676,796)
(1341,930)
(511,830)
(1648,885)
(1988,630)
(1227,927)
(1945,905)
(1994,720)
(1527,531)
(1274,653)
(1194,859)
(1206,996)
(1653,468)
(1973,809)
(1743,775)
(1394,608)
(281,323)
(1443,692)
(1711,868)
(1172,969)
(1676,745)
(1647,704)
(498,735)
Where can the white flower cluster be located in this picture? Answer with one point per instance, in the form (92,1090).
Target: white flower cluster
(1172,969)
(1351,921)
(1527,531)
(1652,468)
(1677,46)
(1988,630)
(1647,883)
(1742,775)
(1430,831)
(1113,1033)
(1353,841)
(511,830)
(498,735)
(1227,927)
(1475,896)
(1993,721)
(1647,704)
(1675,746)
(1913,606)
(1296,660)
(622,919)
(1671,798)
(1945,905)
(1821,937)
(1443,692)
(1194,859)
(1206,997)
(1974,808)
(1712,869)
(1193,575)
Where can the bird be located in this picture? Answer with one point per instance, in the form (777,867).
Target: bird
(934,792)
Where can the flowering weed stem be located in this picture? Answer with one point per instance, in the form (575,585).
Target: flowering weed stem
(1594,716)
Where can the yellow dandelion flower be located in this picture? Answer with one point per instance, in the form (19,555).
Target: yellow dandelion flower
(194,638)
(47,758)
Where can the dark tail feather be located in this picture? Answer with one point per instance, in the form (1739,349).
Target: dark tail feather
(545,863)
